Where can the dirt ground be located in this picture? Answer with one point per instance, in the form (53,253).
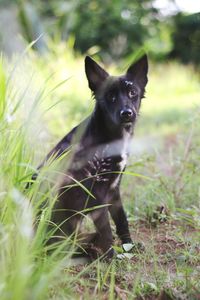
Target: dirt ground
(170,248)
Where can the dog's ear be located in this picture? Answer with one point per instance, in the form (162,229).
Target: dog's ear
(95,74)
(138,71)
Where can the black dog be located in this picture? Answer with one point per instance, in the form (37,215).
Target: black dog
(100,149)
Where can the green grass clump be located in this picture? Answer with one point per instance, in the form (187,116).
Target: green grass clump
(27,272)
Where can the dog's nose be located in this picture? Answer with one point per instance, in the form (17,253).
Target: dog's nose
(126,114)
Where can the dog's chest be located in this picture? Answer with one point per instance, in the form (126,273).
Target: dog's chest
(120,166)
(106,168)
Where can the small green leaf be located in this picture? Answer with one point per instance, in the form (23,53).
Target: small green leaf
(118,249)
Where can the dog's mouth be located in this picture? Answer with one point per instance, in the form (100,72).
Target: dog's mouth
(128,121)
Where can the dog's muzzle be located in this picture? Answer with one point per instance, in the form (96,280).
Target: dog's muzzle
(126,115)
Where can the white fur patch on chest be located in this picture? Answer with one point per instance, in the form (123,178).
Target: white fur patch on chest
(122,165)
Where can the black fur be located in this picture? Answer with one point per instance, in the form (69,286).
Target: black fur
(100,146)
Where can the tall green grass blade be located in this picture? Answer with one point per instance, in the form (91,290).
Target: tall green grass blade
(2,90)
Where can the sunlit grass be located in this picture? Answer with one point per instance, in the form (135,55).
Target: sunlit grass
(172,95)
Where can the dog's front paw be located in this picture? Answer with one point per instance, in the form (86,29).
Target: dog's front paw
(129,250)
(133,247)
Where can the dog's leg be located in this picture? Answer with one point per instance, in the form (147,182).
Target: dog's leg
(119,217)
(103,238)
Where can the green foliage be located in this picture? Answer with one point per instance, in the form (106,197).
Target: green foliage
(186,38)
(32,26)
(114,29)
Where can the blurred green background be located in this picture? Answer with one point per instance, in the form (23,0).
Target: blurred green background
(113,29)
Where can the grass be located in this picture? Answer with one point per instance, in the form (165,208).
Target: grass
(39,103)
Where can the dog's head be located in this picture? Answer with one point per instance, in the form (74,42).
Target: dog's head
(118,98)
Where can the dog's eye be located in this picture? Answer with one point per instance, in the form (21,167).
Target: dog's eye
(132,93)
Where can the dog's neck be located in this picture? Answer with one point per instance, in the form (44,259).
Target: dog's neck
(110,142)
